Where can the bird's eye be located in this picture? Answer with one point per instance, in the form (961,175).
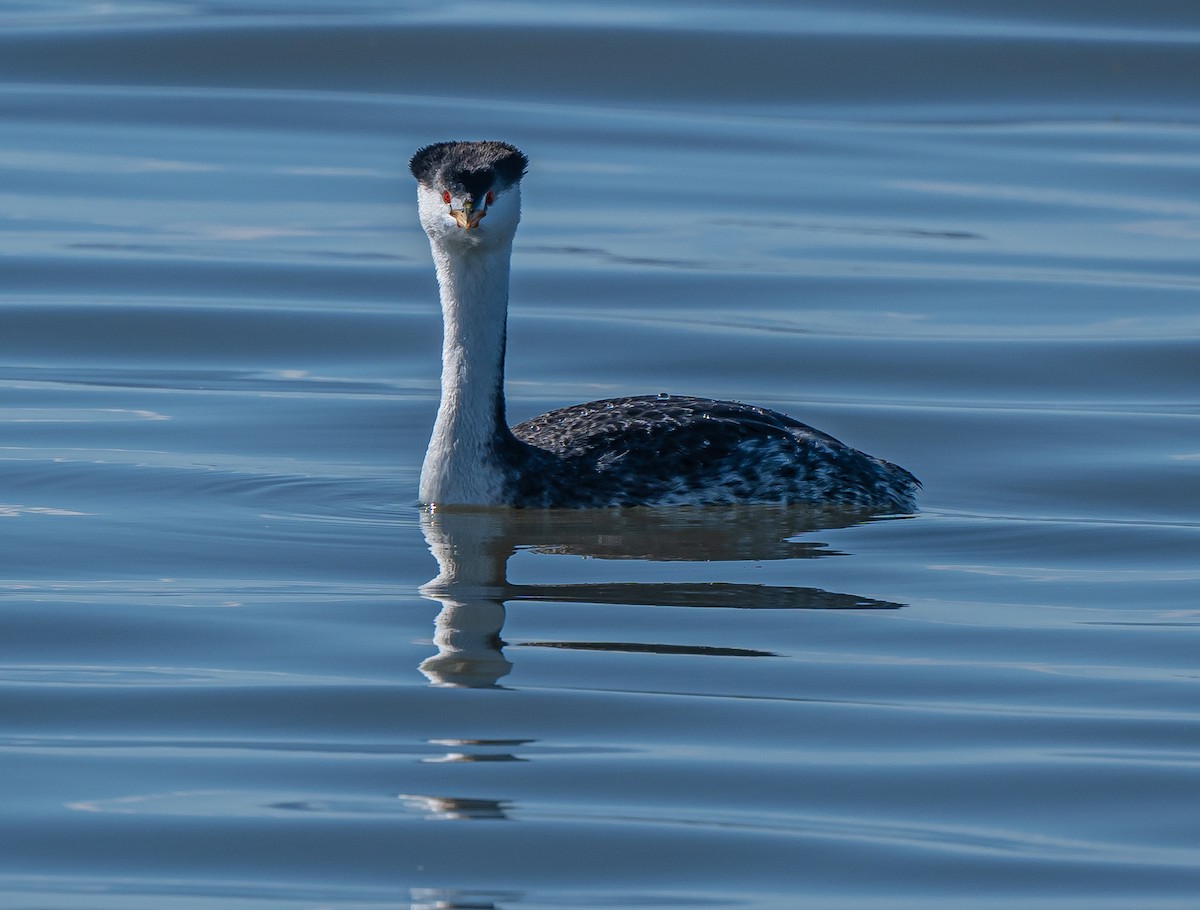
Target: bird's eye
(490,198)
(446,196)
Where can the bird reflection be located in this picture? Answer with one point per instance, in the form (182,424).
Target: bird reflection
(467,751)
(455,899)
(456,808)
(472,548)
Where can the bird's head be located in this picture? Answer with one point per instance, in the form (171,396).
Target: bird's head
(460,184)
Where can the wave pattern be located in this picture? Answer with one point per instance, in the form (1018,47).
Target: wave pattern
(241,669)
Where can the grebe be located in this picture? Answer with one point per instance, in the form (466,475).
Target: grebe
(648,450)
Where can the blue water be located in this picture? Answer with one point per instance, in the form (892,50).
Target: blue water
(243,670)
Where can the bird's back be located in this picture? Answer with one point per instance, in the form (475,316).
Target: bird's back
(671,450)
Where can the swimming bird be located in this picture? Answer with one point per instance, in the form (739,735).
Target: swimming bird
(651,450)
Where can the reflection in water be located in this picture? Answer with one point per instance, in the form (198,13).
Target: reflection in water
(648,649)
(460,755)
(472,548)
(456,808)
(454,899)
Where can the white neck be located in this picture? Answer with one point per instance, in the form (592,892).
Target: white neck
(460,464)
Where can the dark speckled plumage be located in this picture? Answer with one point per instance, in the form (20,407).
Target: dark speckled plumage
(670,450)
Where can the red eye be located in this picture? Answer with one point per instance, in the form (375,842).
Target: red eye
(490,198)
(446,196)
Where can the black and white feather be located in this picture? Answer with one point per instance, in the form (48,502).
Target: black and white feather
(473,167)
(648,450)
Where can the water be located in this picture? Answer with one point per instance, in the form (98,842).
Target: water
(962,239)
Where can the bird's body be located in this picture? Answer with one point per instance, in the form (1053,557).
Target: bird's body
(676,450)
(646,450)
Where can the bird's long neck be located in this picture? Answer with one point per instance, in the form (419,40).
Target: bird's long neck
(462,463)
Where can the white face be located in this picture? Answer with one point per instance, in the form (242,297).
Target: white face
(466,222)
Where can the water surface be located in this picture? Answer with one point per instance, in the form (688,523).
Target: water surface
(243,670)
